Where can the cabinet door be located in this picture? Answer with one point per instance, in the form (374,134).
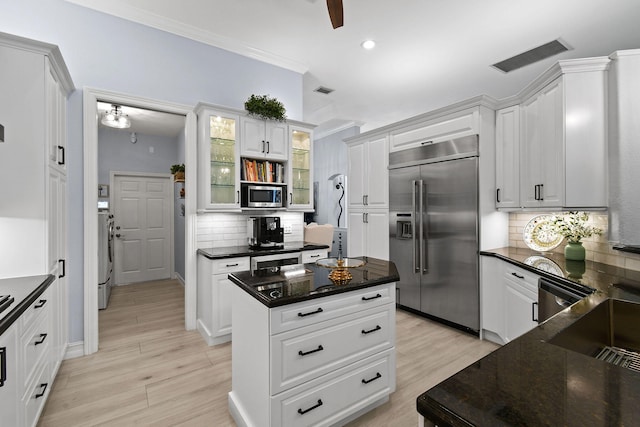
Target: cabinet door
(508,157)
(377,234)
(552,145)
(222,301)
(277,138)
(357,174)
(377,175)
(519,310)
(492,295)
(264,139)
(9,390)
(531,152)
(55,110)
(219,175)
(356,240)
(300,169)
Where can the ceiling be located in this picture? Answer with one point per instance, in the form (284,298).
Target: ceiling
(429,53)
(147,122)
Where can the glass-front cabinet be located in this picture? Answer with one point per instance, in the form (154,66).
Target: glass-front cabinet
(219,178)
(300,176)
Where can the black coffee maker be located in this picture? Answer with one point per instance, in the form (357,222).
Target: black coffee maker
(265,232)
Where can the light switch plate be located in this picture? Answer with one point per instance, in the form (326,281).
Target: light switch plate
(288,229)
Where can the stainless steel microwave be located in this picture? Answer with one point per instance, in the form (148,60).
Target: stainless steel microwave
(261,196)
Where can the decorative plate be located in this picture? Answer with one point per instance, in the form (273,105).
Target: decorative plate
(544,264)
(539,235)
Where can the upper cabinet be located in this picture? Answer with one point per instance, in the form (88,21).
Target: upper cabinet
(300,170)
(558,138)
(368,173)
(218,153)
(264,139)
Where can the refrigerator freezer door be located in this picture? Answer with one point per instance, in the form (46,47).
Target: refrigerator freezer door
(449,289)
(403,240)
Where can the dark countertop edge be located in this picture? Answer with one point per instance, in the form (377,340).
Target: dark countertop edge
(440,415)
(292,300)
(534,270)
(258,252)
(22,306)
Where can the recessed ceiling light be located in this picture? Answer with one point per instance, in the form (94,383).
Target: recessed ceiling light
(368,44)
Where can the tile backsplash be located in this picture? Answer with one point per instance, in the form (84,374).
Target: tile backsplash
(217,230)
(598,247)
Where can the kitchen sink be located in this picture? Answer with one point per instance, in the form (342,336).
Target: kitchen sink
(609,332)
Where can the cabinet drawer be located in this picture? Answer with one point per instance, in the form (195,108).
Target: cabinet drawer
(434,131)
(522,277)
(36,395)
(306,313)
(337,395)
(230,265)
(40,305)
(35,346)
(313,256)
(306,353)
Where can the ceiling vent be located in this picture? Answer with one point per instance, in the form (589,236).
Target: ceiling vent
(534,55)
(323,90)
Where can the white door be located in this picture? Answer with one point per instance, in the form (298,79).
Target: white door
(142,207)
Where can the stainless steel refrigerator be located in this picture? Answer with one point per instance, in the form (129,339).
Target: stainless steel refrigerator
(433,230)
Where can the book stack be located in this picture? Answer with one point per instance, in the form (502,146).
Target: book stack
(262,171)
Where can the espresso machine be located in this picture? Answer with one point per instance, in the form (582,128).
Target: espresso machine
(265,232)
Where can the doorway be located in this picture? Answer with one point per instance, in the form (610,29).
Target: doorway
(91,118)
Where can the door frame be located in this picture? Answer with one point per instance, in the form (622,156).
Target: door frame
(90,177)
(112,199)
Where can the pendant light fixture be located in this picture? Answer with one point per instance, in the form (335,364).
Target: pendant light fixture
(115,118)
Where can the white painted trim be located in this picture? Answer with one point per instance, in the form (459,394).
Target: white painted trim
(90,175)
(74,350)
(171,200)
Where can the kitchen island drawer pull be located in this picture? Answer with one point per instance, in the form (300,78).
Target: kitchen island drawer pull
(304,411)
(44,389)
(370,298)
(377,328)
(41,340)
(372,379)
(3,365)
(314,256)
(232,265)
(517,275)
(304,353)
(40,303)
(319,310)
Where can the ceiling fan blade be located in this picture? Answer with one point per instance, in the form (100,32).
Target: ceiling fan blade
(335,13)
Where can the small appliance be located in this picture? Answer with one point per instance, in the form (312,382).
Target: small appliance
(261,196)
(265,232)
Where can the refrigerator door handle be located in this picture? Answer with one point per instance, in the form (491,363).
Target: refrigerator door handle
(424,251)
(414,214)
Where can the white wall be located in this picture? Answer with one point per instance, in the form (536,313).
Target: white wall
(113,54)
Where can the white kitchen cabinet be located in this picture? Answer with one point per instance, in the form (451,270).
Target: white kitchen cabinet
(520,309)
(368,233)
(10,378)
(264,139)
(300,168)
(291,368)
(314,255)
(508,157)
(563,151)
(219,157)
(214,297)
(368,162)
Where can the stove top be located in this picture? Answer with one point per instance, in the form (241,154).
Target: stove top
(5,302)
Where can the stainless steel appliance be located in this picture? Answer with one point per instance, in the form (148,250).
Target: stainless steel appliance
(265,232)
(275,261)
(261,196)
(433,230)
(105,257)
(553,297)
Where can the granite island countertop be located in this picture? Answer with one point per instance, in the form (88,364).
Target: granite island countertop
(273,288)
(240,251)
(530,382)
(24,291)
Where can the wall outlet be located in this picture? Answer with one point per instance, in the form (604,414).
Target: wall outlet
(288,229)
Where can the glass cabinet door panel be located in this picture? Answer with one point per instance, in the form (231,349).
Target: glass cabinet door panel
(223,159)
(300,167)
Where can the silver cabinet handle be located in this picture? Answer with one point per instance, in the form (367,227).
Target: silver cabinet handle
(416,249)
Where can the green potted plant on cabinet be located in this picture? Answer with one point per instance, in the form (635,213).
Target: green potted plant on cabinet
(265,107)
(178,172)
(573,226)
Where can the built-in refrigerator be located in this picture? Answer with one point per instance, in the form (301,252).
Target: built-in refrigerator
(433,230)
(105,257)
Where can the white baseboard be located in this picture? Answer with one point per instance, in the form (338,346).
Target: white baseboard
(177,276)
(74,350)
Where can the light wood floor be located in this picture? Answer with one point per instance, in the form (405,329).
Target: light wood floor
(150,371)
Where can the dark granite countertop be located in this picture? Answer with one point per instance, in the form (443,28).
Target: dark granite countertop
(272,288)
(24,291)
(530,382)
(239,251)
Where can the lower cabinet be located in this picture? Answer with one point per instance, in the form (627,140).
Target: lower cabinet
(318,362)
(214,297)
(369,233)
(314,255)
(9,377)
(509,300)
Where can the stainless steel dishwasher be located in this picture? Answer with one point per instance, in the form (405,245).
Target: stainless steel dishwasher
(555,296)
(275,260)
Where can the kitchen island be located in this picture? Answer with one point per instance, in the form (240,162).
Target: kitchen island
(308,352)
(540,378)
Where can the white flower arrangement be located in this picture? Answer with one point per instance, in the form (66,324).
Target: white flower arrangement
(573,225)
